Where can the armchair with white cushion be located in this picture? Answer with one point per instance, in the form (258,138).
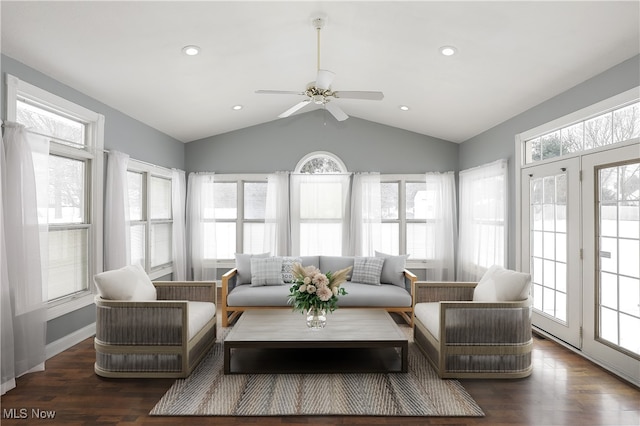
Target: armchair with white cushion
(476,330)
(151,329)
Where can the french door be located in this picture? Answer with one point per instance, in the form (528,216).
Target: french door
(611,234)
(550,197)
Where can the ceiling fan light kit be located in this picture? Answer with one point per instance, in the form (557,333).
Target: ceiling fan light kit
(319,92)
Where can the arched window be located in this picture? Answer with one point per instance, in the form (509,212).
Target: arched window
(320,162)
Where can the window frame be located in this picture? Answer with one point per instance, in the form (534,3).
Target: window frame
(149,171)
(92,154)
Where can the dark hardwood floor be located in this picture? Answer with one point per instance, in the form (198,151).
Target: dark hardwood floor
(564,389)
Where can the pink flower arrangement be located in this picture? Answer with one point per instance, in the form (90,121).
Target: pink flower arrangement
(312,288)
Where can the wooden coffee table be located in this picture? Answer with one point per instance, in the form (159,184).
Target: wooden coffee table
(278,340)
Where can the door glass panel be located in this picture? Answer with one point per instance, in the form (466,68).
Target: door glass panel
(548,226)
(619,250)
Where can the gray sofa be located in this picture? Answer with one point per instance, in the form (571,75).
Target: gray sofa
(394,292)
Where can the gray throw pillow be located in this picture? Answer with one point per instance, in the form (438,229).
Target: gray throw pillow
(266,271)
(366,270)
(393,269)
(243,265)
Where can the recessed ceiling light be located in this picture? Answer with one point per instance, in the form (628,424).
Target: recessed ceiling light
(448,50)
(191,50)
(404,107)
(237,107)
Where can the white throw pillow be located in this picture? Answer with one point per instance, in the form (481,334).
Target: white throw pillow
(502,285)
(127,283)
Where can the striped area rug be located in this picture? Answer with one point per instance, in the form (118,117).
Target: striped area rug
(420,392)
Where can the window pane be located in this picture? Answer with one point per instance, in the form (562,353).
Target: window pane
(225,200)
(160,198)
(321,164)
(550,145)
(66,190)
(47,123)
(626,123)
(136,195)
(329,245)
(255,200)
(253,238)
(161,247)
(389,239)
(390,200)
(321,200)
(416,239)
(597,131)
(138,242)
(225,241)
(68,262)
(416,199)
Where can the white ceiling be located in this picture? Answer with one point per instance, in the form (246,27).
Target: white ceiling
(511,57)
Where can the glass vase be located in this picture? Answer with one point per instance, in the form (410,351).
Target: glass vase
(316,318)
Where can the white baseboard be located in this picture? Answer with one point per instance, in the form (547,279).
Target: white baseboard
(61,345)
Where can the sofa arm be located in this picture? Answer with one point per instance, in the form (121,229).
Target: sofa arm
(196,291)
(409,280)
(427,291)
(485,323)
(153,322)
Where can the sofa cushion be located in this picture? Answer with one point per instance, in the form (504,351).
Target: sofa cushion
(310,260)
(502,285)
(128,283)
(271,295)
(366,270)
(266,271)
(335,263)
(200,313)
(287,268)
(385,295)
(429,315)
(243,265)
(393,269)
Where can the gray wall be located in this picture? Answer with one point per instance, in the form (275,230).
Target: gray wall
(499,141)
(280,144)
(122,133)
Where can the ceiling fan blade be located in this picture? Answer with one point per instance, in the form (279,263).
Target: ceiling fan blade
(278,92)
(324,79)
(295,108)
(336,111)
(372,96)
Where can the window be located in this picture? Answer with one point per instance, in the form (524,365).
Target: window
(151,217)
(74,208)
(617,125)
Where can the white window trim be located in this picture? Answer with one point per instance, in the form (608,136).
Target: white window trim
(150,170)
(93,152)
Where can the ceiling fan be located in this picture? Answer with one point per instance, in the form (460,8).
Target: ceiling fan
(319,92)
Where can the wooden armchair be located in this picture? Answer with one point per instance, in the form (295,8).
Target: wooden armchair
(463,338)
(166,337)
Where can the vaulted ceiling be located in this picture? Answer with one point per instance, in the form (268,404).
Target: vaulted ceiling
(510,57)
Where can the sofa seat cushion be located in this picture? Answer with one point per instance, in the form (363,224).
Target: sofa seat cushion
(246,295)
(200,313)
(384,295)
(429,315)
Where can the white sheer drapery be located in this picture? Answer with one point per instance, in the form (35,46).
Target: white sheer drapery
(319,217)
(201,227)
(483,219)
(366,214)
(24,246)
(444,223)
(117,242)
(277,231)
(178,240)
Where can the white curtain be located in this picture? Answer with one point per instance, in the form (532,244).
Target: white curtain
(277,231)
(483,220)
(319,219)
(178,201)
(117,242)
(24,249)
(444,222)
(201,227)
(366,214)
